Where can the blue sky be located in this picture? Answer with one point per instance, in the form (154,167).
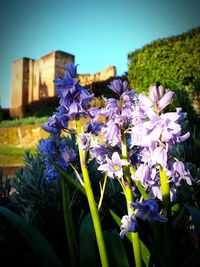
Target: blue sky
(98,33)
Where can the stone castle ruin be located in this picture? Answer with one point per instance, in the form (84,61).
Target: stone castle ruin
(32,79)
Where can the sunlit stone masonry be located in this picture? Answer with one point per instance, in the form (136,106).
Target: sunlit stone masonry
(33,79)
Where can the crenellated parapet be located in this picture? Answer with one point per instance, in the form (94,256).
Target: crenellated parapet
(86,79)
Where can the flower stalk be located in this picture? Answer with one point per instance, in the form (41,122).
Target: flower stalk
(91,201)
(165,189)
(68,219)
(129,198)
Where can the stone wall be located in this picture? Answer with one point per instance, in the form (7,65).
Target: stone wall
(16,85)
(32,80)
(86,79)
(22,136)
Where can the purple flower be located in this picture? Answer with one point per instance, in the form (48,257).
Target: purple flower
(67,154)
(85,140)
(94,113)
(57,122)
(130,99)
(65,86)
(50,129)
(55,150)
(113,166)
(72,69)
(160,156)
(118,86)
(98,152)
(143,174)
(129,224)
(112,108)
(94,127)
(156,93)
(112,133)
(148,210)
(156,97)
(180,173)
(165,100)
(145,101)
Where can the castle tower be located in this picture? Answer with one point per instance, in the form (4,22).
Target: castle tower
(19,85)
(33,79)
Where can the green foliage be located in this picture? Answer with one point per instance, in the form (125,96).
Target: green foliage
(32,195)
(13,155)
(113,244)
(22,121)
(144,250)
(4,188)
(87,240)
(173,62)
(34,238)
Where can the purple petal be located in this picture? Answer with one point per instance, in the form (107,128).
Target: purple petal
(156,93)
(165,100)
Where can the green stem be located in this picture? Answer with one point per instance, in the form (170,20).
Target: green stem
(91,202)
(129,198)
(103,191)
(69,229)
(165,189)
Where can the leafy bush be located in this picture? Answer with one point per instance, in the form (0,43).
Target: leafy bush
(172,62)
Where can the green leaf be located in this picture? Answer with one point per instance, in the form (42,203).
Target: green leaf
(144,250)
(196,142)
(35,239)
(115,249)
(87,240)
(69,178)
(195,213)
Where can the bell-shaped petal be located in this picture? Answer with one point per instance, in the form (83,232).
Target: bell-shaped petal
(148,210)
(118,86)
(129,224)
(160,156)
(165,100)
(156,93)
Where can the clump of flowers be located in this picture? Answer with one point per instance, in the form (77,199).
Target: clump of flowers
(138,137)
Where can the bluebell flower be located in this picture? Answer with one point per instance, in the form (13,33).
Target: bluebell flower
(156,93)
(112,133)
(112,108)
(66,85)
(113,166)
(180,173)
(147,210)
(118,86)
(72,69)
(129,224)
(50,129)
(94,127)
(55,150)
(98,152)
(143,174)
(156,96)
(94,113)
